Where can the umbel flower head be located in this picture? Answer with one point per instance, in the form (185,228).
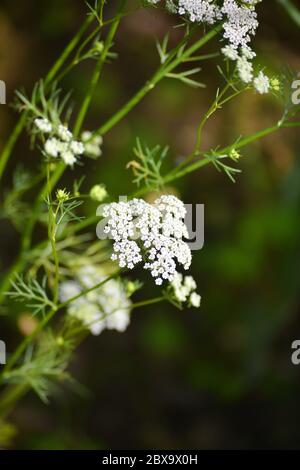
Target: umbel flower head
(239,26)
(60,142)
(107,307)
(152,234)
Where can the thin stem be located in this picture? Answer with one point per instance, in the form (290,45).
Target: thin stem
(238,145)
(145,303)
(181,172)
(217,104)
(162,71)
(20,262)
(52,239)
(132,306)
(87,291)
(7,151)
(97,72)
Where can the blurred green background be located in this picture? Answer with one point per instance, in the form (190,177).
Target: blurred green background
(220,376)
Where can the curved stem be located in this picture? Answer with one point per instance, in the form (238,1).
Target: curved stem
(238,145)
(162,71)
(98,69)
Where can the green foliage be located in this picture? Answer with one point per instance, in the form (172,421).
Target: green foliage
(45,102)
(43,365)
(32,294)
(147,167)
(218,161)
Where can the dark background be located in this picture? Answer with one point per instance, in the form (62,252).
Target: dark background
(220,376)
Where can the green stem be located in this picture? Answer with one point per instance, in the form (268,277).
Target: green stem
(145,303)
(240,144)
(97,72)
(181,172)
(133,306)
(52,238)
(162,71)
(8,148)
(20,262)
(217,104)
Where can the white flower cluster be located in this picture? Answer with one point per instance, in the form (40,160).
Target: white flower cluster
(184,288)
(107,307)
(149,233)
(60,142)
(239,25)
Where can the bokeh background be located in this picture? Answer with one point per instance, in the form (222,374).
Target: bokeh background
(217,377)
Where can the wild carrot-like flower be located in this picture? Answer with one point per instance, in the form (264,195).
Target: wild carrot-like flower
(152,233)
(239,26)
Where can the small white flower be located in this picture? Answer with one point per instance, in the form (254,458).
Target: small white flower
(230,52)
(64,133)
(92,144)
(184,289)
(68,157)
(52,147)
(261,83)
(43,125)
(248,53)
(190,283)
(195,300)
(77,147)
(245,69)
